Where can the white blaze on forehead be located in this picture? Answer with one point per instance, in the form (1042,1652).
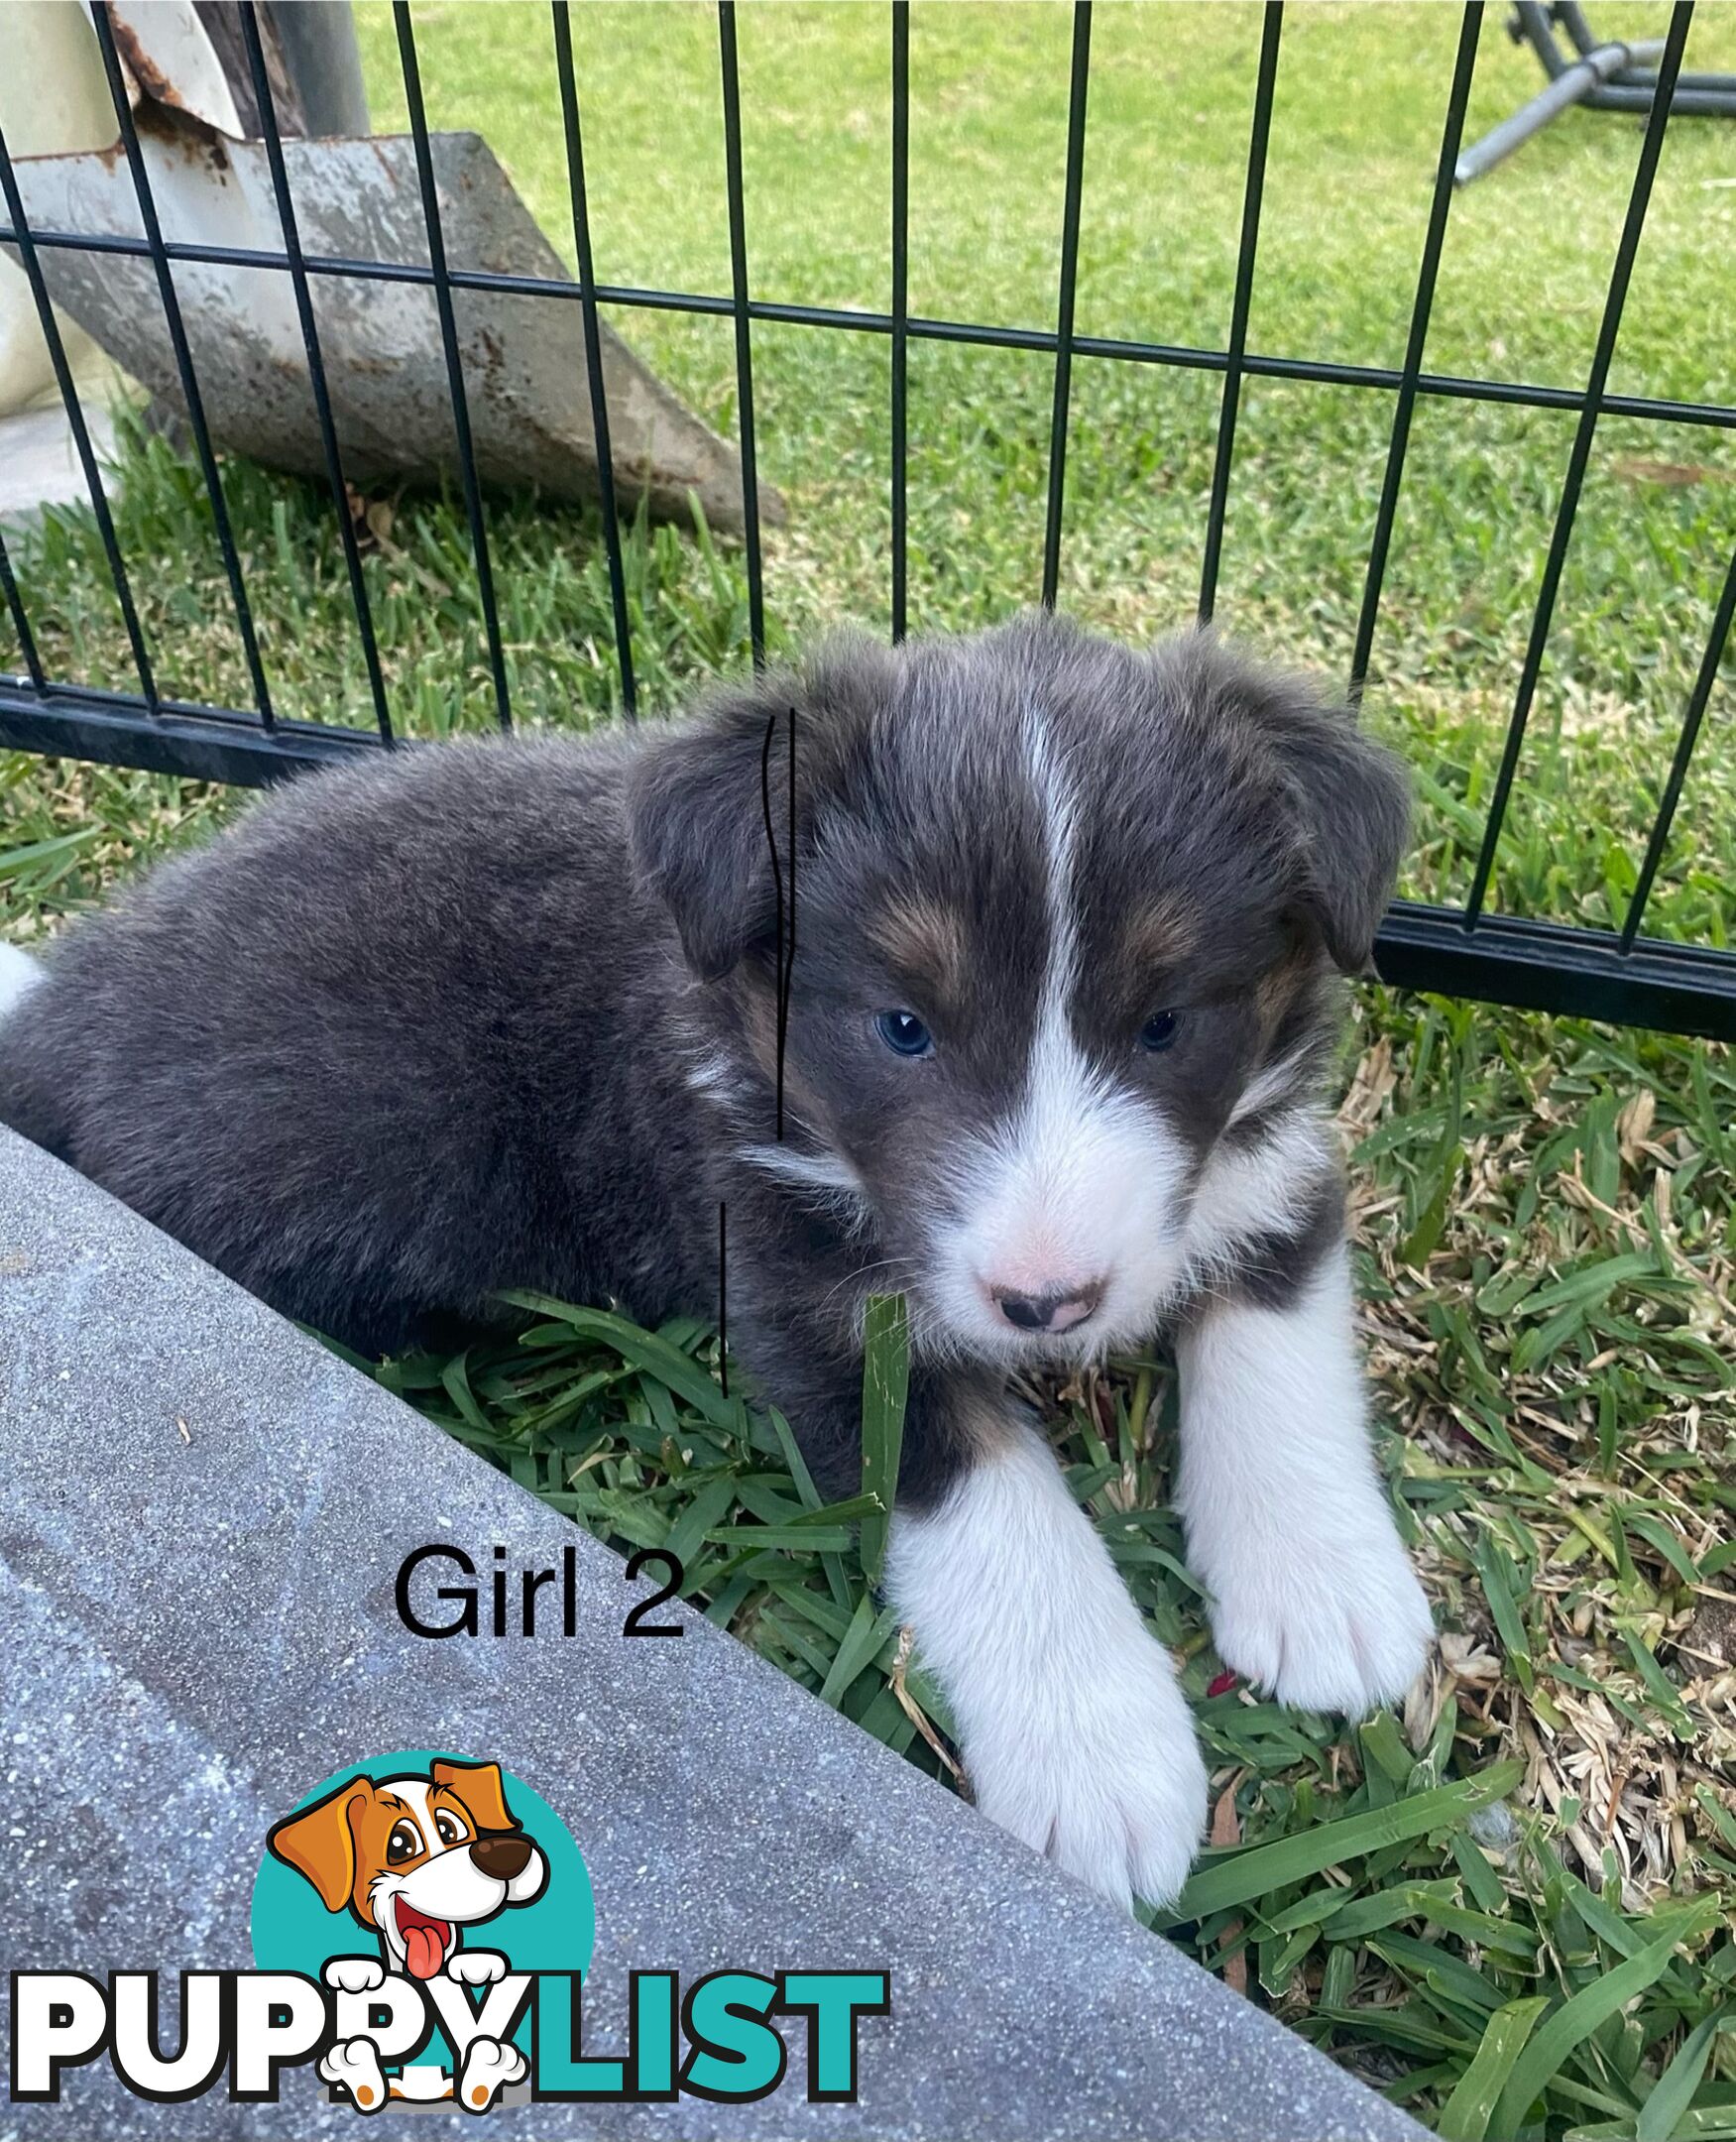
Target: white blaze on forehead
(1078,1187)
(414,1792)
(1059,812)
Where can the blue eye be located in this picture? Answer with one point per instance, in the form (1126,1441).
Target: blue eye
(904,1033)
(1160,1030)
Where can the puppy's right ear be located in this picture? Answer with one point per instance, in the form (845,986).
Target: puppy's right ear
(319,1843)
(696,828)
(699,792)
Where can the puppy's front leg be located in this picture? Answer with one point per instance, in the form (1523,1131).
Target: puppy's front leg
(1288,1523)
(355,2063)
(1074,1734)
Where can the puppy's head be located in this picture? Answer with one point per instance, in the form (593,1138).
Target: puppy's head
(416,1858)
(1065,914)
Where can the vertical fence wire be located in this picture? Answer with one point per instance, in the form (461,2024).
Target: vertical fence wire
(63,379)
(1697,702)
(26,647)
(274,146)
(1075,185)
(771,849)
(1627,251)
(575,150)
(724,1297)
(743,331)
(900,310)
(424,156)
(1259,133)
(1459,97)
(183,361)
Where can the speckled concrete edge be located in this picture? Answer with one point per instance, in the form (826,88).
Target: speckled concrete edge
(203,1514)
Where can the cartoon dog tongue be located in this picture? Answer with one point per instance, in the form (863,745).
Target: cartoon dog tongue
(424,1941)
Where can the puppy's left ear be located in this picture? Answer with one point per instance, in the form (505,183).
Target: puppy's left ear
(480,1787)
(1351,804)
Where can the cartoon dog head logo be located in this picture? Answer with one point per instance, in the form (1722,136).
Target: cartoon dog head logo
(416,1858)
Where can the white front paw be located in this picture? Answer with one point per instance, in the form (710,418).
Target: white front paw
(489,2067)
(356,2065)
(1322,1624)
(355,1974)
(1097,1768)
(476,1966)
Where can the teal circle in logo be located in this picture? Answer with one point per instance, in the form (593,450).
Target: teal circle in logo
(302,1903)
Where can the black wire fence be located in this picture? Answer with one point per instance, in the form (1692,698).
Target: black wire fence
(1617,975)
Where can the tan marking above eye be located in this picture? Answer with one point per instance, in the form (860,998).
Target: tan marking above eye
(1159,933)
(921,937)
(1282,983)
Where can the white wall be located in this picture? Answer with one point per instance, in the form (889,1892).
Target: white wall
(53,96)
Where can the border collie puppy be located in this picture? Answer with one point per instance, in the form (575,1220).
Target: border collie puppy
(1069,922)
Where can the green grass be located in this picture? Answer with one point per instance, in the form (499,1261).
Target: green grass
(1547,1220)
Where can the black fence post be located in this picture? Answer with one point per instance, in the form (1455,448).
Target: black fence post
(1627,252)
(444,285)
(88,462)
(26,647)
(268,120)
(1698,701)
(569,108)
(183,360)
(1259,134)
(743,332)
(1074,187)
(1459,97)
(900,311)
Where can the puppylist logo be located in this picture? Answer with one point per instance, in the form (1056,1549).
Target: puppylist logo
(423,1924)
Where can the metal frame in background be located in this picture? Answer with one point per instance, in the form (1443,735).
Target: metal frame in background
(1609,77)
(1618,976)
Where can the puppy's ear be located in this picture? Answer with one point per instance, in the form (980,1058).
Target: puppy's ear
(479,1786)
(1349,803)
(698,796)
(321,1843)
(696,828)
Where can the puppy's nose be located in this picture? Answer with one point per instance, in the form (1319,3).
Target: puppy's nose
(1058,1309)
(502,1856)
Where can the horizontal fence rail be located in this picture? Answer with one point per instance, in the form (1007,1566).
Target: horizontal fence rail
(1621,975)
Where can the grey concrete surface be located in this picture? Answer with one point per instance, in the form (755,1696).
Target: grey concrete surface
(202,1513)
(39,463)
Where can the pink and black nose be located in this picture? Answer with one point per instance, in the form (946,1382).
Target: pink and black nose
(1056,1309)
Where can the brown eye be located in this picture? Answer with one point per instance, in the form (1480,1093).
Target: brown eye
(405,1843)
(448,1829)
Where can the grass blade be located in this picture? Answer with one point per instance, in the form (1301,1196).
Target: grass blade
(1466,2114)
(864,1637)
(1662,2114)
(1574,2021)
(683,1375)
(1265,1867)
